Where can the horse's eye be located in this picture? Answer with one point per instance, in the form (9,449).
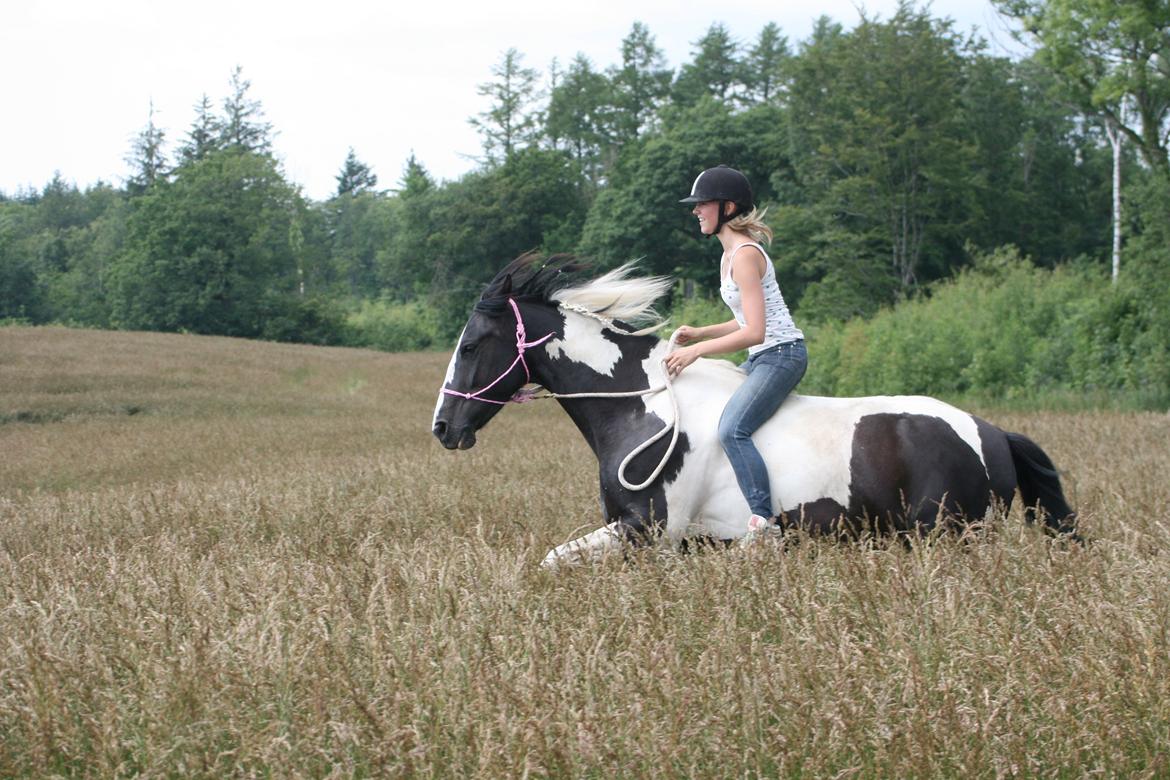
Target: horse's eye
(468,349)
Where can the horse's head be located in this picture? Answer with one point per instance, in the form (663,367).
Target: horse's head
(483,375)
(522,308)
(489,365)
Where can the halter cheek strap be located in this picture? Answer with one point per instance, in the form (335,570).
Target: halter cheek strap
(522,345)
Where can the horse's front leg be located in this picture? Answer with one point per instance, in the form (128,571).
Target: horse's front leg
(641,518)
(585,549)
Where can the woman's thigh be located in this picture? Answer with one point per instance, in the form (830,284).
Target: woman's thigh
(771,377)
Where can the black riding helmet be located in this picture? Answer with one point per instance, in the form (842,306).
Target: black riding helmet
(723,184)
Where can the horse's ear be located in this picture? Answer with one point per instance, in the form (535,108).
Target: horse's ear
(506,285)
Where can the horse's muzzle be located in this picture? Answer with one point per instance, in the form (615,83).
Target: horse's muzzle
(463,439)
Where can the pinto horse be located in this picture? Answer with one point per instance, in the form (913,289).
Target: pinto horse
(839,466)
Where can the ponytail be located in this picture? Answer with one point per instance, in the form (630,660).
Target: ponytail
(753,224)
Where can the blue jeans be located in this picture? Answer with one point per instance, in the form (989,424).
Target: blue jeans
(772,374)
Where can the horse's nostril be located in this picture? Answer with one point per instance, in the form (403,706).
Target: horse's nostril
(440,428)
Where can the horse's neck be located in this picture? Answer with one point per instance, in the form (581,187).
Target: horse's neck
(605,421)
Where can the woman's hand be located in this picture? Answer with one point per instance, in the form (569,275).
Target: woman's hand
(686,334)
(681,358)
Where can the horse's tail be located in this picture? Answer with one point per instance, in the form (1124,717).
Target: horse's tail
(1040,487)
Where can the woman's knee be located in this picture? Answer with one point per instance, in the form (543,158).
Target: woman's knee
(729,432)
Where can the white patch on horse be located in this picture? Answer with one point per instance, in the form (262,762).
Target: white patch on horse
(448,379)
(585,343)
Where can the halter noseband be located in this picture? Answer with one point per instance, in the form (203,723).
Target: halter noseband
(522,345)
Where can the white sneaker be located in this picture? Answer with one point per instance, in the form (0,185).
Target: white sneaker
(757,528)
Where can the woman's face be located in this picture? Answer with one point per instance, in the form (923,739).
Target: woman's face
(708,214)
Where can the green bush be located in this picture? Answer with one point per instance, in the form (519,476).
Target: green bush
(1002,329)
(301,320)
(393,326)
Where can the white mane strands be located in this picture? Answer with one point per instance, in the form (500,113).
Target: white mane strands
(618,296)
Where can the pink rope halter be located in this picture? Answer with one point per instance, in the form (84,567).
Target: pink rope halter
(522,345)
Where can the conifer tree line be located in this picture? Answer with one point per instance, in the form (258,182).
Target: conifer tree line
(890,157)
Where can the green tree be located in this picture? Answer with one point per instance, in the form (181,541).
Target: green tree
(79,293)
(360,226)
(1041,175)
(1111,58)
(147,159)
(457,236)
(208,251)
(242,126)
(882,153)
(714,71)
(580,113)
(510,121)
(763,69)
(407,265)
(638,214)
(355,176)
(203,135)
(640,84)
(21,296)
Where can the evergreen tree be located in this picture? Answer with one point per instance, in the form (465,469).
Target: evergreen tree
(408,266)
(510,123)
(204,134)
(355,176)
(763,70)
(415,181)
(147,159)
(640,84)
(243,127)
(713,71)
(580,114)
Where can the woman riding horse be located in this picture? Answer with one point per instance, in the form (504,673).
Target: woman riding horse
(761,323)
(838,466)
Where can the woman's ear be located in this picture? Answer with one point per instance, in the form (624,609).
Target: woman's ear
(729,208)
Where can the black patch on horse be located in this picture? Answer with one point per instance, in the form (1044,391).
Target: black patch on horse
(902,474)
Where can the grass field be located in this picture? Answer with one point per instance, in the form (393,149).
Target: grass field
(226,558)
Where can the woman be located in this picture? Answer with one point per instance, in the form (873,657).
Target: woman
(777,358)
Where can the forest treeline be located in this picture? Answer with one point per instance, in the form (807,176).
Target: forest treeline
(895,158)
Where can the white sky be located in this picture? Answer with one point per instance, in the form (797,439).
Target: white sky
(383,77)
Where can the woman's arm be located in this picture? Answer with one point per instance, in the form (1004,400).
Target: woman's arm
(688,333)
(748,275)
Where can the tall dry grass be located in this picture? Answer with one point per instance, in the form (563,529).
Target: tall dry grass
(222,558)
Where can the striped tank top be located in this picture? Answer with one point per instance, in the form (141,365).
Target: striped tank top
(778,325)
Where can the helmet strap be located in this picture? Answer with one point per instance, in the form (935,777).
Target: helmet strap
(724,217)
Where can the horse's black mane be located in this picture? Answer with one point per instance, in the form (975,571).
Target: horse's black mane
(531,277)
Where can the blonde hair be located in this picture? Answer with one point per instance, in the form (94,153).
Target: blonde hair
(752,223)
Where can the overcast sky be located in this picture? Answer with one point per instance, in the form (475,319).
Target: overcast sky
(385,77)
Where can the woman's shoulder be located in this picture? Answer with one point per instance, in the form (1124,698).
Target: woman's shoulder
(752,258)
(755,250)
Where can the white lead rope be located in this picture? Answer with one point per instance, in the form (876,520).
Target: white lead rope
(672,426)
